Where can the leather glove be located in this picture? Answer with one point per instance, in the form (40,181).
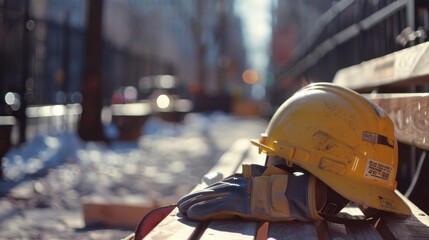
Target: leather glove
(277,197)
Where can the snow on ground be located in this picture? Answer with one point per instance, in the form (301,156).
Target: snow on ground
(51,173)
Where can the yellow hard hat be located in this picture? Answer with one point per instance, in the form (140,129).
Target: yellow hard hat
(341,138)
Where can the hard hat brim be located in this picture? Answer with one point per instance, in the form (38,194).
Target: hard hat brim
(262,147)
(365,194)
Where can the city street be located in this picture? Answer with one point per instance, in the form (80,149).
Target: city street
(48,177)
(110,109)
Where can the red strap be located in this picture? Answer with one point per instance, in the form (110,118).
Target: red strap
(262,231)
(152,219)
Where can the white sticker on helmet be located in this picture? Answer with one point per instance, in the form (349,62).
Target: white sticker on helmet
(377,170)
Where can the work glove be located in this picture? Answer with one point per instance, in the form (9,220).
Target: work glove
(275,195)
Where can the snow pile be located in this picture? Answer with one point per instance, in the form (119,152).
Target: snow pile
(55,171)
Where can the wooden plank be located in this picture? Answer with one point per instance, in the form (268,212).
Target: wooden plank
(293,230)
(113,215)
(351,231)
(173,227)
(176,226)
(414,227)
(115,212)
(336,230)
(230,229)
(406,67)
(363,231)
(228,163)
(356,230)
(409,113)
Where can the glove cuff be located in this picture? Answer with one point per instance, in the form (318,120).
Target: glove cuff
(287,197)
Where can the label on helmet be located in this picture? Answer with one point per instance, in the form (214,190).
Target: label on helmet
(379,139)
(377,170)
(370,137)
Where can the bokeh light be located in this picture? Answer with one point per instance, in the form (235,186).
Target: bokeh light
(250,76)
(163,101)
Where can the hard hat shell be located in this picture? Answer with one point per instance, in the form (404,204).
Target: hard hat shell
(343,139)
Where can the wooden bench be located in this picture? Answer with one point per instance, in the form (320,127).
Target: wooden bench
(176,226)
(399,83)
(396,76)
(390,82)
(397,72)
(130,118)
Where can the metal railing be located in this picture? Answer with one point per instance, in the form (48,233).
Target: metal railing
(353,31)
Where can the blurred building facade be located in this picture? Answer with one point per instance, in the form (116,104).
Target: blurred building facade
(42,44)
(293,21)
(312,45)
